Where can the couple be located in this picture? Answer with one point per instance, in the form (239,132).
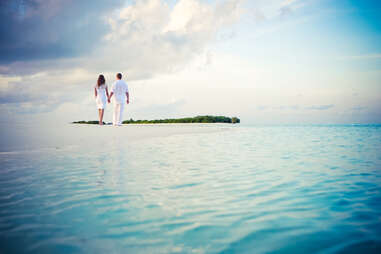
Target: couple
(120,89)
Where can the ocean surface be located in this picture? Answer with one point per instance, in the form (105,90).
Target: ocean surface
(196,188)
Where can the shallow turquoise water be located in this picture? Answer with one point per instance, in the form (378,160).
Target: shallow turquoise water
(259,189)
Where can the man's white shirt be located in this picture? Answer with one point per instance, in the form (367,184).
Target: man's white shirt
(119,88)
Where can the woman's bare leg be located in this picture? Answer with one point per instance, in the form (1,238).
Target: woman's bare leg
(100,116)
(101,112)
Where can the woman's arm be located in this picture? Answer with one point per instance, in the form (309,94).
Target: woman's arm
(95,92)
(111,93)
(108,97)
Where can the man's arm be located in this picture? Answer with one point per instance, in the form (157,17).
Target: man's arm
(128,97)
(95,92)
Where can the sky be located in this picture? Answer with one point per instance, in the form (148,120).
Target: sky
(264,61)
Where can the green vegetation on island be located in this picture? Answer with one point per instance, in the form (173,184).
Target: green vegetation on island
(197,119)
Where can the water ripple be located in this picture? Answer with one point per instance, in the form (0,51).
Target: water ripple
(242,190)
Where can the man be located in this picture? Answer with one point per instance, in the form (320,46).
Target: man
(120,89)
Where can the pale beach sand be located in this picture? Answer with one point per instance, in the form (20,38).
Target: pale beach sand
(34,137)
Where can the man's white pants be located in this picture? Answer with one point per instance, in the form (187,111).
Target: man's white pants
(118,113)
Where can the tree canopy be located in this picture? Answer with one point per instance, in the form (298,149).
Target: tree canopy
(197,119)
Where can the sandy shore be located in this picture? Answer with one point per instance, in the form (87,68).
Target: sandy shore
(36,137)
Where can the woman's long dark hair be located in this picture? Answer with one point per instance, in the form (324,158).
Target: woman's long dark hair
(101,80)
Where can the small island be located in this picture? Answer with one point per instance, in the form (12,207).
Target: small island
(197,119)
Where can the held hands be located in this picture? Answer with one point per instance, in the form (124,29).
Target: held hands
(108,99)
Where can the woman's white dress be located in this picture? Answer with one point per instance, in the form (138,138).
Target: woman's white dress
(101,98)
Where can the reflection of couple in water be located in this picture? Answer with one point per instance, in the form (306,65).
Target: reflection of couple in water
(120,91)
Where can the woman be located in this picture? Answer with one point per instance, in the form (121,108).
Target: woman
(100,96)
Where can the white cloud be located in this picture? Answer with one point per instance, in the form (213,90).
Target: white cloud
(151,38)
(145,39)
(43,91)
(363,57)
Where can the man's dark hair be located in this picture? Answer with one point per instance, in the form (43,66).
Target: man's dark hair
(119,75)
